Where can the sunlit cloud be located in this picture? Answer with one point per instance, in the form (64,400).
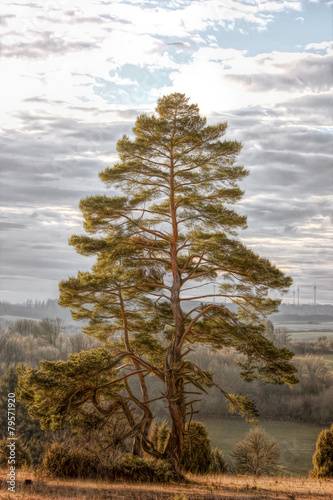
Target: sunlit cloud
(75,76)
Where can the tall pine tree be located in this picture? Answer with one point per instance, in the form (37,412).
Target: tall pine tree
(167,239)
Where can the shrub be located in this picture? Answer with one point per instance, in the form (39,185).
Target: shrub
(323,456)
(257,454)
(22,455)
(198,456)
(217,465)
(133,468)
(60,461)
(154,435)
(163,436)
(197,453)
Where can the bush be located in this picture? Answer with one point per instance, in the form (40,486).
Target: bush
(217,465)
(28,431)
(60,461)
(133,468)
(198,456)
(257,454)
(197,453)
(22,455)
(163,436)
(323,456)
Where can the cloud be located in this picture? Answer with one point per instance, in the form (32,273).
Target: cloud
(44,47)
(35,251)
(297,75)
(192,16)
(4,19)
(233,80)
(321,46)
(83,73)
(311,110)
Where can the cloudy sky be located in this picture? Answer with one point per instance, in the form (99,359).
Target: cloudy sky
(74,75)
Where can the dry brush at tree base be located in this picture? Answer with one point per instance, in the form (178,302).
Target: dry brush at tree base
(170,231)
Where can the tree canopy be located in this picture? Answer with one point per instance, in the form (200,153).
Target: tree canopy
(168,264)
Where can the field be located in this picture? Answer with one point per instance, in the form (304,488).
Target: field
(309,336)
(307,331)
(195,488)
(297,441)
(8,318)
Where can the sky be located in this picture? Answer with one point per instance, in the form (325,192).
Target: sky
(74,76)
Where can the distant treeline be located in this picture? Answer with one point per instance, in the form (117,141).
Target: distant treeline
(28,341)
(49,308)
(36,310)
(306,309)
(311,400)
(309,318)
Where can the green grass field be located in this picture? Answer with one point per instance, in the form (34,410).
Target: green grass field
(308,331)
(303,326)
(12,319)
(297,441)
(308,336)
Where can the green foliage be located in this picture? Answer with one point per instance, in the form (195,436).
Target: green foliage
(172,230)
(28,430)
(8,384)
(104,436)
(22,454)
(257,454)
(134,468)
(60,389)
(244,406)
(197,453)
(198,456)
(60,461)
(163,436)
(323,456)
(178,173)
(154,434)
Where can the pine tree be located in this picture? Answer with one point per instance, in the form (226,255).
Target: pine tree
(167,238)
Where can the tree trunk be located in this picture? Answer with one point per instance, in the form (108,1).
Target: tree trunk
(173,379)
(136,446)
(147,417)
(176,403)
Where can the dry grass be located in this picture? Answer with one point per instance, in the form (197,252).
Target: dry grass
(211,487)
